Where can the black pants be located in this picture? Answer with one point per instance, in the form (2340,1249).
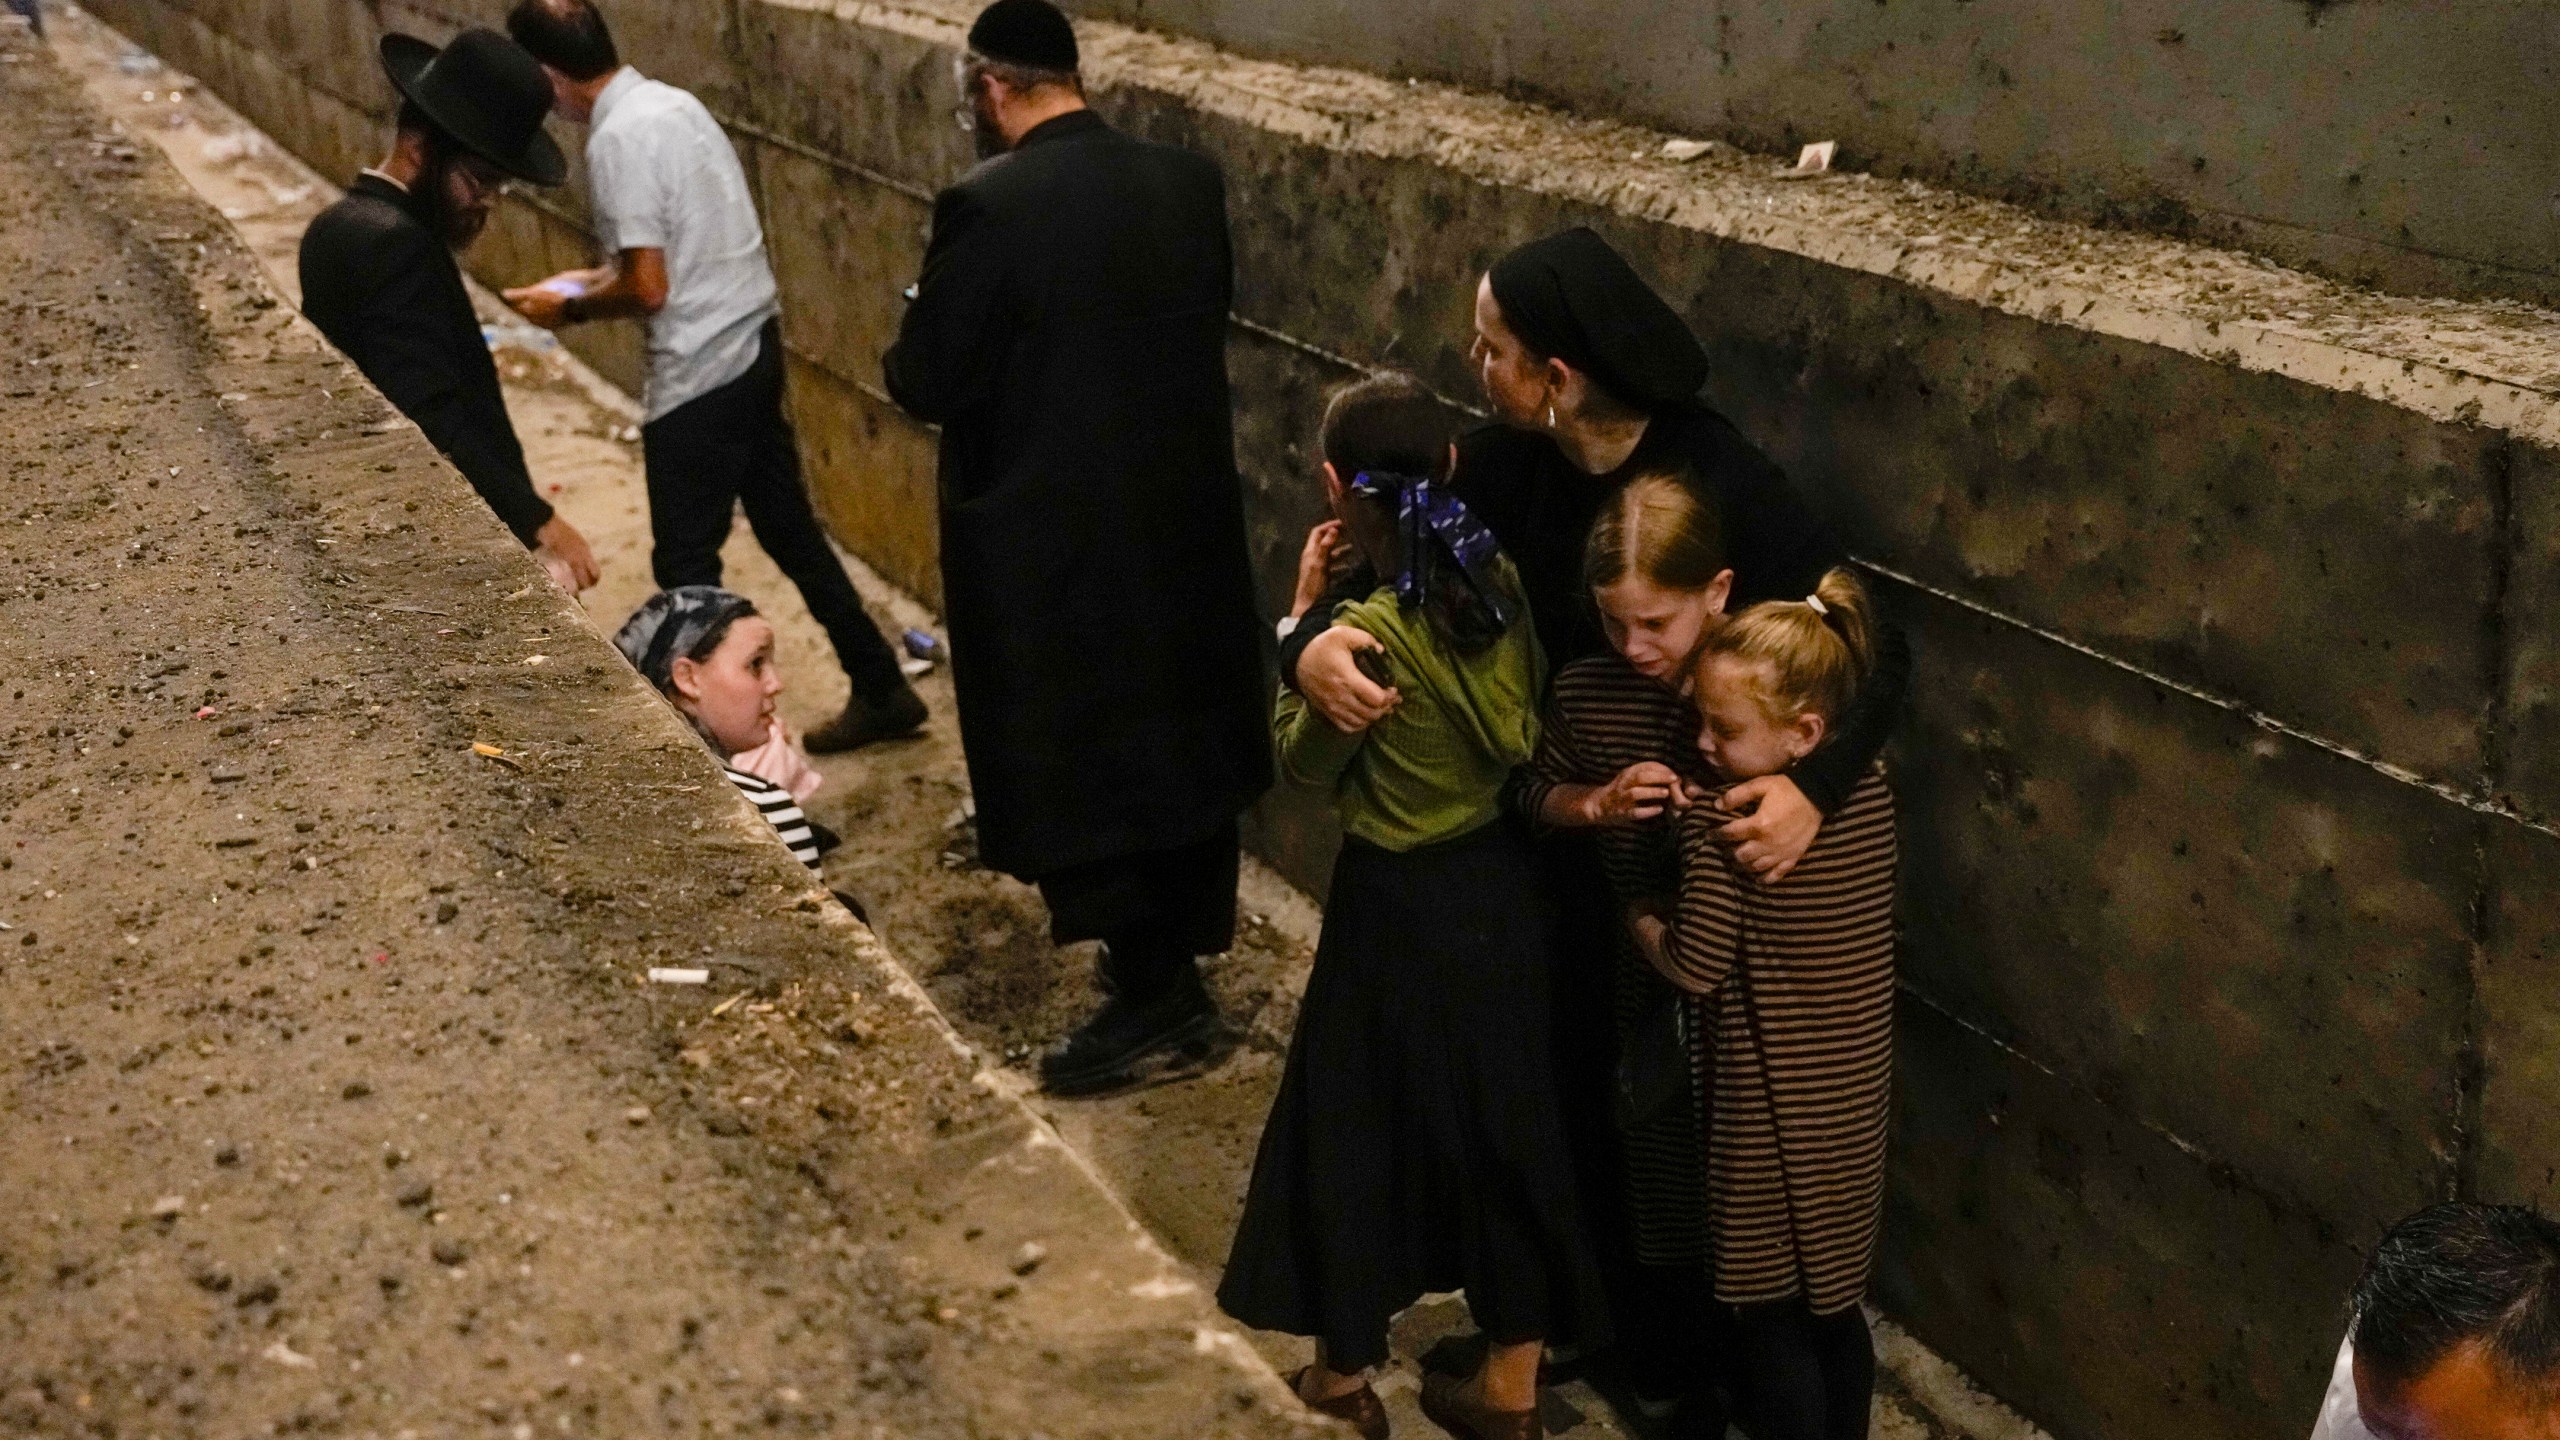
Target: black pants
(734,447)
(1802,1376)
(1155,912)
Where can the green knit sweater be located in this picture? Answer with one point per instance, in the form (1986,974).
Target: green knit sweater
(1435,768)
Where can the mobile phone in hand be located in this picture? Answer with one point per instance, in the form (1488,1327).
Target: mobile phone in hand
(1373,663)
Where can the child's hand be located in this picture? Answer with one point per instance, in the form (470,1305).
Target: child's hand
(1652,935)
(1315,565)
(1639,793)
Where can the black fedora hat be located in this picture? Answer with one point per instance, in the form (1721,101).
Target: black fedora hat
(485,92)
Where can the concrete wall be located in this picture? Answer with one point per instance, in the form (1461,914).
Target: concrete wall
(2389,142)
(2234,722)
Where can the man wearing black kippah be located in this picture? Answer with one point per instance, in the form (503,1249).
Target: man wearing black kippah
(1069,336)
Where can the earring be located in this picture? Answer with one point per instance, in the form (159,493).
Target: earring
(1551,417)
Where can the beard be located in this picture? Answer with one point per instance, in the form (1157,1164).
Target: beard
(456,226)
(983,130)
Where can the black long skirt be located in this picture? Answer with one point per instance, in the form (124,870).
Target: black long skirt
(1416,1145)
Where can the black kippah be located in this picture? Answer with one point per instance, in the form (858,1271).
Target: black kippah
(1029,33)
(1571,297)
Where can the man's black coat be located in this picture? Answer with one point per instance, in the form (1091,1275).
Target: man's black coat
(1069,335)
(384,289)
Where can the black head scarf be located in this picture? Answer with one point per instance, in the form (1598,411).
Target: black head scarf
(1571,297)
(688,622)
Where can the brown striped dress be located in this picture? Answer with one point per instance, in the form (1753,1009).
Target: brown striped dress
(1601,718)
(1798,978)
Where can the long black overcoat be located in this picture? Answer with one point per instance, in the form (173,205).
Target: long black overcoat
(385,290)
(1069,335)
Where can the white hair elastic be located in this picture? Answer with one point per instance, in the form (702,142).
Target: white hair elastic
(1818,607)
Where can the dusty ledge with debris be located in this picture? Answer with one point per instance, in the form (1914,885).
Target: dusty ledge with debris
(337,1099)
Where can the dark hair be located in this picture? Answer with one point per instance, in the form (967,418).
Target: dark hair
(1389,424)
(413,117)
(567,35)
(2457,1273)
(1022,79)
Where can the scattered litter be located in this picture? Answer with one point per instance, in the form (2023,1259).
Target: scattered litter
(1028,1258)
(521,337)
(488,751)
(637,1115)
(1814,159)
(920,644)
(284,1354)
(206,713)
(1163,1287)
(914,668)
(664,975)
(138,62)
(168,1207)
(537,659)
(723,1007)
(238,145)
(1686,149)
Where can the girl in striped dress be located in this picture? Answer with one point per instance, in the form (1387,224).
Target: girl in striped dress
(1618,757)
(709,652)
(1797,979)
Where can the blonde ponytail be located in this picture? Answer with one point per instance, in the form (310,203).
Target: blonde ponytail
(1817,651)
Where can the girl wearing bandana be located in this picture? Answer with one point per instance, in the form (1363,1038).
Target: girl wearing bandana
(1415,1145)
(711,655)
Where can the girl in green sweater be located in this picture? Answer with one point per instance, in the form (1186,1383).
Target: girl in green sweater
(1415,1144)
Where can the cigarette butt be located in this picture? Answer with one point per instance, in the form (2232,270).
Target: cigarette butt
(661,975)
(723,1007)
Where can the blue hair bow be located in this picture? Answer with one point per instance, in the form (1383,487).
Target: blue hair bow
(1428,514)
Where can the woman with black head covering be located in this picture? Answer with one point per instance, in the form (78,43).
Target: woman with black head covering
(1594,380)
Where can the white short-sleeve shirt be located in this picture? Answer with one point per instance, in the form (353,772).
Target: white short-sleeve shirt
(2339,1417)
(662,177)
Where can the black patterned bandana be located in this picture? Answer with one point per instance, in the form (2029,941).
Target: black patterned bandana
(1427,514)
(686,621)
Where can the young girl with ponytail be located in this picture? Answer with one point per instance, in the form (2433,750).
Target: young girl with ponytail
(1618,758)
(1796,980)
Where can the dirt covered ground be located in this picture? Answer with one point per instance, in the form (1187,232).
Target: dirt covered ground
(334,1097)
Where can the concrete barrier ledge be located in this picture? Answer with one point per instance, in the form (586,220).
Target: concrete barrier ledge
(982,1280)
(2495,363)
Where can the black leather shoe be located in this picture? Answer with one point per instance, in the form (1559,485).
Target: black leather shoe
(866,722)
(1127,1042)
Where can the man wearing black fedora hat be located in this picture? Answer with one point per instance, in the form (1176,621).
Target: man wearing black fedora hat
(380,280)
(1069,335)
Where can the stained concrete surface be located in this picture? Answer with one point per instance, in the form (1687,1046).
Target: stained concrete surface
(2325,503)
(2392,144)
(336,846)
(1178,1154)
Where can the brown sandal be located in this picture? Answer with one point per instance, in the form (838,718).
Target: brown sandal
(1360,1409)
(1445,1404)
